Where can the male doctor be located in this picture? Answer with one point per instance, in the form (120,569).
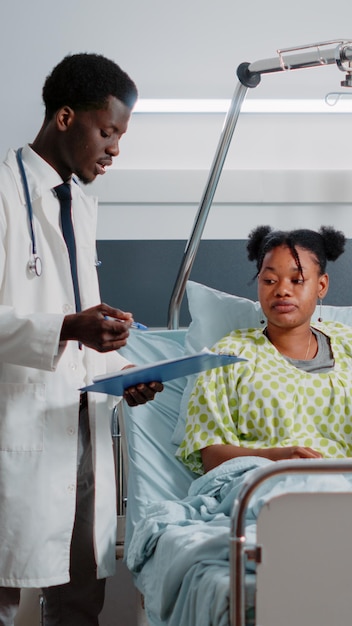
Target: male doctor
(57,485)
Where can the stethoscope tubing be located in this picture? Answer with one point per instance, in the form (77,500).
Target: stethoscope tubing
(28,199)
(35,263)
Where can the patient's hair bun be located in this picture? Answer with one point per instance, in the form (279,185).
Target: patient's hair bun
(327,244)
(255,241)
(334,242)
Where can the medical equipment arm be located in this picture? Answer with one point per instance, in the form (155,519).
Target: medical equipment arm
(249,75)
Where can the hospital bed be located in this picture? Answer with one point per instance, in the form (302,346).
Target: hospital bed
(270,549)
(301,545)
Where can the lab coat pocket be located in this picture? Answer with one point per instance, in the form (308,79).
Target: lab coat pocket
(22,414)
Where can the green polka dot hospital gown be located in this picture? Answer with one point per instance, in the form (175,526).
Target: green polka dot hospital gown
(267,402)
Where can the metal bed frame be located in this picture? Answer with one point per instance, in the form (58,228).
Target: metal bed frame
(121,468)
(239,553)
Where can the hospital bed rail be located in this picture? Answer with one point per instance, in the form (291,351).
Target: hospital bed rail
(239,552)
(320,54)
(121,471)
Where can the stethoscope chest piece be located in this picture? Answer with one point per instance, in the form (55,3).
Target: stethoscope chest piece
(35,266)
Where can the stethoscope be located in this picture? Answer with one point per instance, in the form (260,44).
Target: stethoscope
(35,263)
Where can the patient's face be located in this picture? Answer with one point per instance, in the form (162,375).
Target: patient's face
(288,295)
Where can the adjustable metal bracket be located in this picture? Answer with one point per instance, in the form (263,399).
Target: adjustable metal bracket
(337,52)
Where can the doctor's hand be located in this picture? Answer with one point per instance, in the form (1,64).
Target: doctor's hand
(91,328)
(142,393)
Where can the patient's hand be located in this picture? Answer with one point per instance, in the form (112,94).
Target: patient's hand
(142,393)
(219,453)
(293,452)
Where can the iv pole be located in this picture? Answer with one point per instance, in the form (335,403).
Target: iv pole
(249,76)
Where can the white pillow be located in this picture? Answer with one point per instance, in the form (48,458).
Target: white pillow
(342,314)
(214,314)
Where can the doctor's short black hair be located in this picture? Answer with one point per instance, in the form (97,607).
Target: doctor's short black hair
(84,82)
(327,244)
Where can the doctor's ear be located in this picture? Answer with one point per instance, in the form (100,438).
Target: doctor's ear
(64,118)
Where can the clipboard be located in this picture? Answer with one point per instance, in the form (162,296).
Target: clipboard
(160,371)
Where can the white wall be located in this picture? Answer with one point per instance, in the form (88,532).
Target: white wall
(183,50)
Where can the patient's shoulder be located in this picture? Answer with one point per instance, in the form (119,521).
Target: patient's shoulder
(239,338)
(334,329)
(339,334)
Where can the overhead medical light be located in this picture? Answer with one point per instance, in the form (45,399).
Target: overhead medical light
(337,52)
(334,102)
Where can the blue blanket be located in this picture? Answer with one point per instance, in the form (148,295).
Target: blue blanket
(179,552)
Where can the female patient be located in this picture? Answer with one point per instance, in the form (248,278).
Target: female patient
(292,397)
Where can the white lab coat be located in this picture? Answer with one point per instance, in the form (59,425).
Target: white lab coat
(39,394)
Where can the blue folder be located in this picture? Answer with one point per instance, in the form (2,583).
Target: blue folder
(160,371)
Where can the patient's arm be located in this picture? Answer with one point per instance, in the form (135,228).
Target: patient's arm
(212,456)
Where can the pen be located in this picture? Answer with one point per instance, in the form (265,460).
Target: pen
(136,325)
